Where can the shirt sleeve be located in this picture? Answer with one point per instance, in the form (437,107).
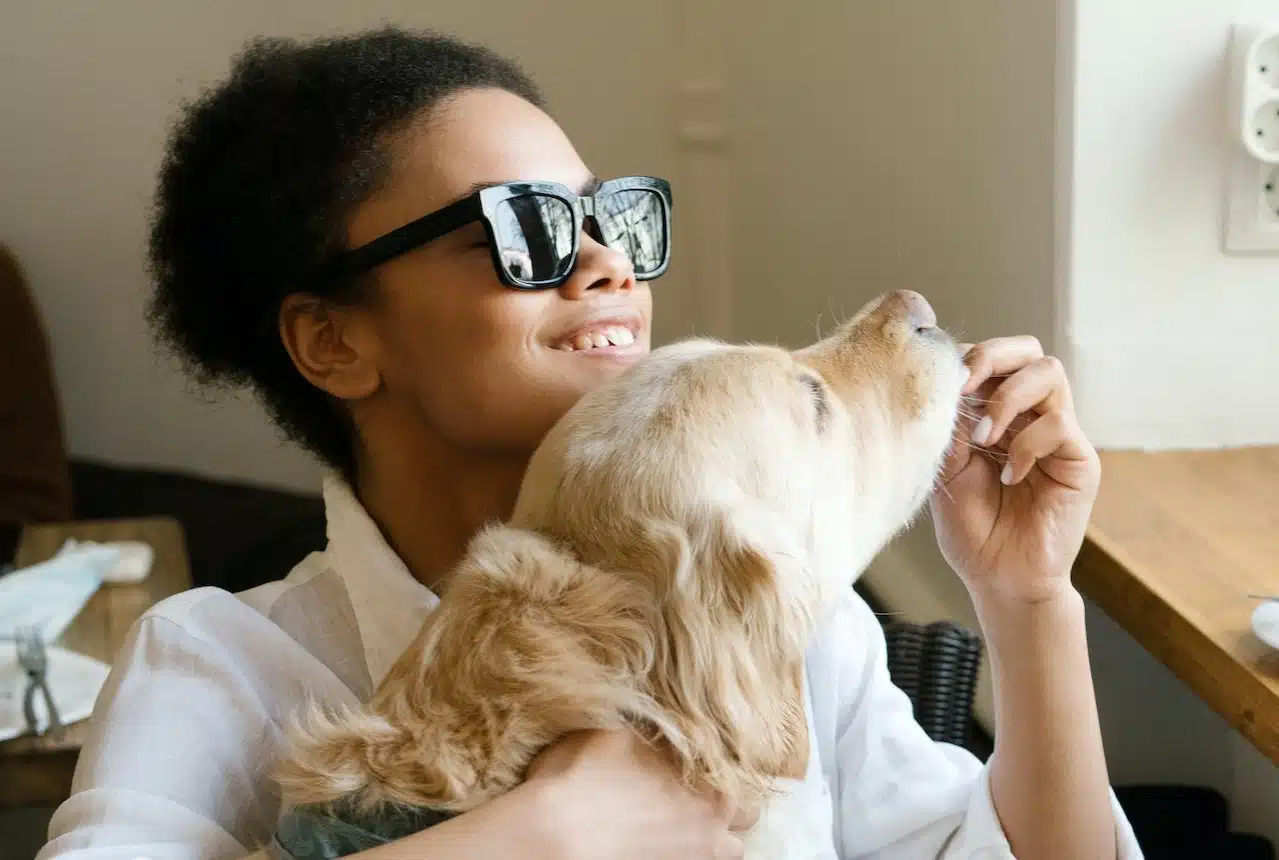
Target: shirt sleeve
(899,794)
(173,766)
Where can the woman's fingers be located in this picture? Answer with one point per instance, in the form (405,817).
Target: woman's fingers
(728,847)
(1041,439)
(1039,386)
(728,844)
(998,357)
(744,819)
(1028,407)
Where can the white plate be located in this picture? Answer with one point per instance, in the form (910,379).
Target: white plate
(74,680)
(1265,623)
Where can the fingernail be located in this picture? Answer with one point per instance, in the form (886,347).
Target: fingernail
(1006,476)
(981,433)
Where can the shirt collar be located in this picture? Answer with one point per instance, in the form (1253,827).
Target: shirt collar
(390,605)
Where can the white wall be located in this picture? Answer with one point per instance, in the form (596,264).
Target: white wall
(89,90)
(1173,342)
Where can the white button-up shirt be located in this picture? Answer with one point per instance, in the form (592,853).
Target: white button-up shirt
(175,765)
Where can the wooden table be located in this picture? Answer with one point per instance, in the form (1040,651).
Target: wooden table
(38,770)
(1177,542)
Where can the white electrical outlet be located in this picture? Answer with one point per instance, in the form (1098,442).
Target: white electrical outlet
(1270,196)
(1252,211)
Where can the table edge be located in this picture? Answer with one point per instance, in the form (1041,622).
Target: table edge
(1118,587)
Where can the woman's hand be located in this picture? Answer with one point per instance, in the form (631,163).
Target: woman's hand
(611,796)
(1019,484)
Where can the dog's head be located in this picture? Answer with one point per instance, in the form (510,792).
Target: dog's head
(747,484)
(811,459)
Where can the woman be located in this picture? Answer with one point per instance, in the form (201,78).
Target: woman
(424,368)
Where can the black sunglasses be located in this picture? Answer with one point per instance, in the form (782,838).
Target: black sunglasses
(534,230)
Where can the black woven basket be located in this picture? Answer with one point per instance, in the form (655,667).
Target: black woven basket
(936,666)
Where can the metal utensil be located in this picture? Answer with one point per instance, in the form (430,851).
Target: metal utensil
(1264,596)
(35,662)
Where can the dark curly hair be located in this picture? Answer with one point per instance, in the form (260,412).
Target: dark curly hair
(258,179)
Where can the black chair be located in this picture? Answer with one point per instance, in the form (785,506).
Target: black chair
(238,535)
(936,666)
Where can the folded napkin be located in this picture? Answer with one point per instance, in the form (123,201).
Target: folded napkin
(49,595)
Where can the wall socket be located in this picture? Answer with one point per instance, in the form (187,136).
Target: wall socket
(1270,195)
(1252,209)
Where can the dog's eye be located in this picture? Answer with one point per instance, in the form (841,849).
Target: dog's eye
(822,408)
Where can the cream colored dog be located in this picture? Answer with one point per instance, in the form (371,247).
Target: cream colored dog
(678,536)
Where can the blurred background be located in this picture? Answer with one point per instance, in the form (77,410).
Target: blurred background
(1052,168)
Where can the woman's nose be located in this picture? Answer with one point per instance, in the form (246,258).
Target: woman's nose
(598,267)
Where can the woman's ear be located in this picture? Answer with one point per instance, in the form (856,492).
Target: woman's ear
(333,347)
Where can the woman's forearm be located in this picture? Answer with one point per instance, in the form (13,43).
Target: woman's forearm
(517,824)
(1048,773)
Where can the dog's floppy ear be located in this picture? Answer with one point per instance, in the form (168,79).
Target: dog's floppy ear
(527,645)
(736,620)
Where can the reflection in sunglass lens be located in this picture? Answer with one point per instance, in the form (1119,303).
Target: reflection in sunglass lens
(534,237)
(634,223)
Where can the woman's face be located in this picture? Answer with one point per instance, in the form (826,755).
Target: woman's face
(458,354)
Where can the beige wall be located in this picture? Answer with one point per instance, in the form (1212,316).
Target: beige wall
(888,145)
(89,89)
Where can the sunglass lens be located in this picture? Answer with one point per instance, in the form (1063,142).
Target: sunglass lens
(534,237)
(633,222)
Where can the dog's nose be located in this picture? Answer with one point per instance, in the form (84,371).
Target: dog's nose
(916,309)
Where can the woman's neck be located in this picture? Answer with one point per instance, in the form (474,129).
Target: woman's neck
(429,505)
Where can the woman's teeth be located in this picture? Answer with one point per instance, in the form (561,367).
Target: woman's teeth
(607,336)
